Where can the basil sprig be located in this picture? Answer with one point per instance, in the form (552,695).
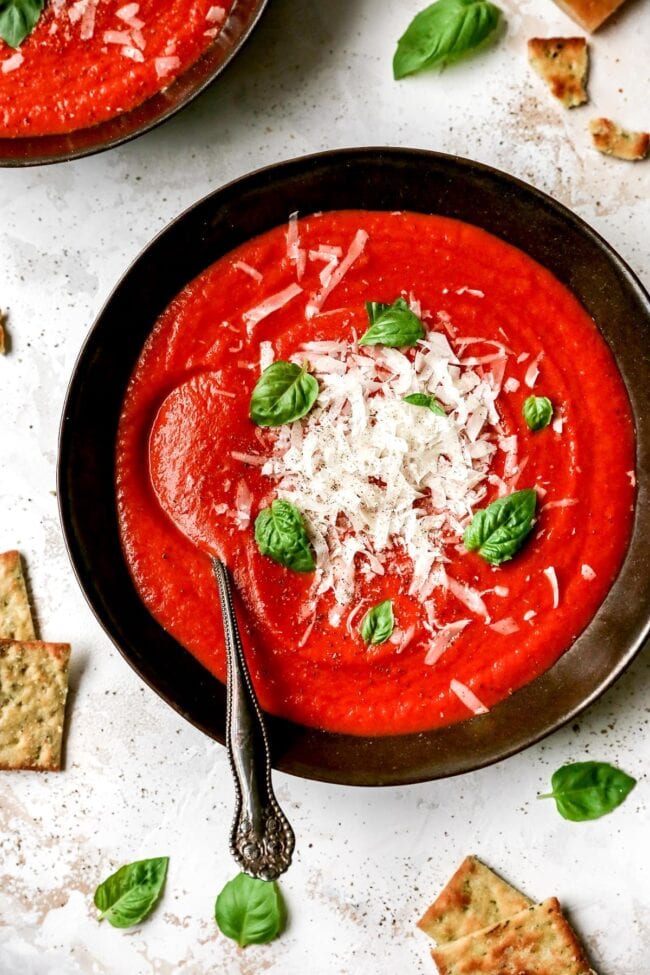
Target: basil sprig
(280,533)
(588,790)
(18,18)
(423,399)
(130,894)
(394,326)
(498,531)
(378,623)
(538,412)
(250,911)
(283,393)
(442,33)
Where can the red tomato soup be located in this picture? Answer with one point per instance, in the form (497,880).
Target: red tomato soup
(385,487)
(90,60)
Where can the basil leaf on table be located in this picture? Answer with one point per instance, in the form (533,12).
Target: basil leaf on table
(423,399)
(284,392)
(378,623)
(442,33)
(588,790)
(538,412)
(498,531)
(394,326)
(250,911)
(129,895)
(280,533)
(18,18)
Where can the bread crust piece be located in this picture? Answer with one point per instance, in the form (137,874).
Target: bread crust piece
(615,141)
(474,898)
(33,690)
(563,63)
(590,14)
(537,941)
(15,615)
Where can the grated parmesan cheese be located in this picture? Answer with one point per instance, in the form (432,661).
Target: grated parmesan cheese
(354,251)
(370,472)
(587,572)
(467,697)
(165,66)
(250,271)
(269,305)
(551,575)
(10,64)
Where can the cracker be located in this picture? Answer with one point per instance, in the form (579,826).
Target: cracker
(33,689)
(590,14)
(537,941)
(562,62)
(15,615)
(474,898)
(615,141)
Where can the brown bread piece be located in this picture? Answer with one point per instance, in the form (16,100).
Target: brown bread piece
(590,14)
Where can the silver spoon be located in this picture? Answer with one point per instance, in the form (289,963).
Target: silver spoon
(261,838)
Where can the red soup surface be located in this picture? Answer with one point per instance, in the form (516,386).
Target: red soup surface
(90,60)
(385,487)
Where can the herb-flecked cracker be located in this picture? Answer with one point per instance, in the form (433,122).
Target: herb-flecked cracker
(33,689)
(562,62)
(537,941)
(15,615)
(474,898)
(611,139)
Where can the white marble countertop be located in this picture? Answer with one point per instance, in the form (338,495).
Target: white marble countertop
(140,781)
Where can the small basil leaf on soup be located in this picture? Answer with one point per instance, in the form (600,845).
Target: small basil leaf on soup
(281,534)
(588,790)
(378,623)
(538,412)
(499,531)
(423,399)
(375,309)
(444,32)
(284,392)
(394,326)
(18,18)
(130,894)
(250,911)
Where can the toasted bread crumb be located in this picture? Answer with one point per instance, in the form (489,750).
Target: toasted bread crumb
(611,139)
(563,63)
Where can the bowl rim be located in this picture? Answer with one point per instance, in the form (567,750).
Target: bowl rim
(280,729)
(49,150)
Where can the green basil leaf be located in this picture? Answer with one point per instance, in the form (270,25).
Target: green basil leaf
(444,32)
(378,623)
(588,790)
(18,18)
(283,393)
(250,911)
(280,533)
(375,309)
(538,412)
(498,531)
(422,399)
(395,326)
(130,894)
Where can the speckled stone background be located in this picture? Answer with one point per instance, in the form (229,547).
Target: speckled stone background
(139,781)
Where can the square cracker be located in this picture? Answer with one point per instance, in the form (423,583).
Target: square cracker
(15,615)
(33,689)
(562,62)
(537,941)
(474,898)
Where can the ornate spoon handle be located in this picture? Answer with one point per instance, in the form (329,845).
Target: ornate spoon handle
(261,838)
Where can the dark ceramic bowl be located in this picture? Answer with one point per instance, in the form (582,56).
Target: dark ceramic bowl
(390,179)
(39,150)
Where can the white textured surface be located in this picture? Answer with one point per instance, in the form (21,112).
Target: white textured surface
(139,780)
